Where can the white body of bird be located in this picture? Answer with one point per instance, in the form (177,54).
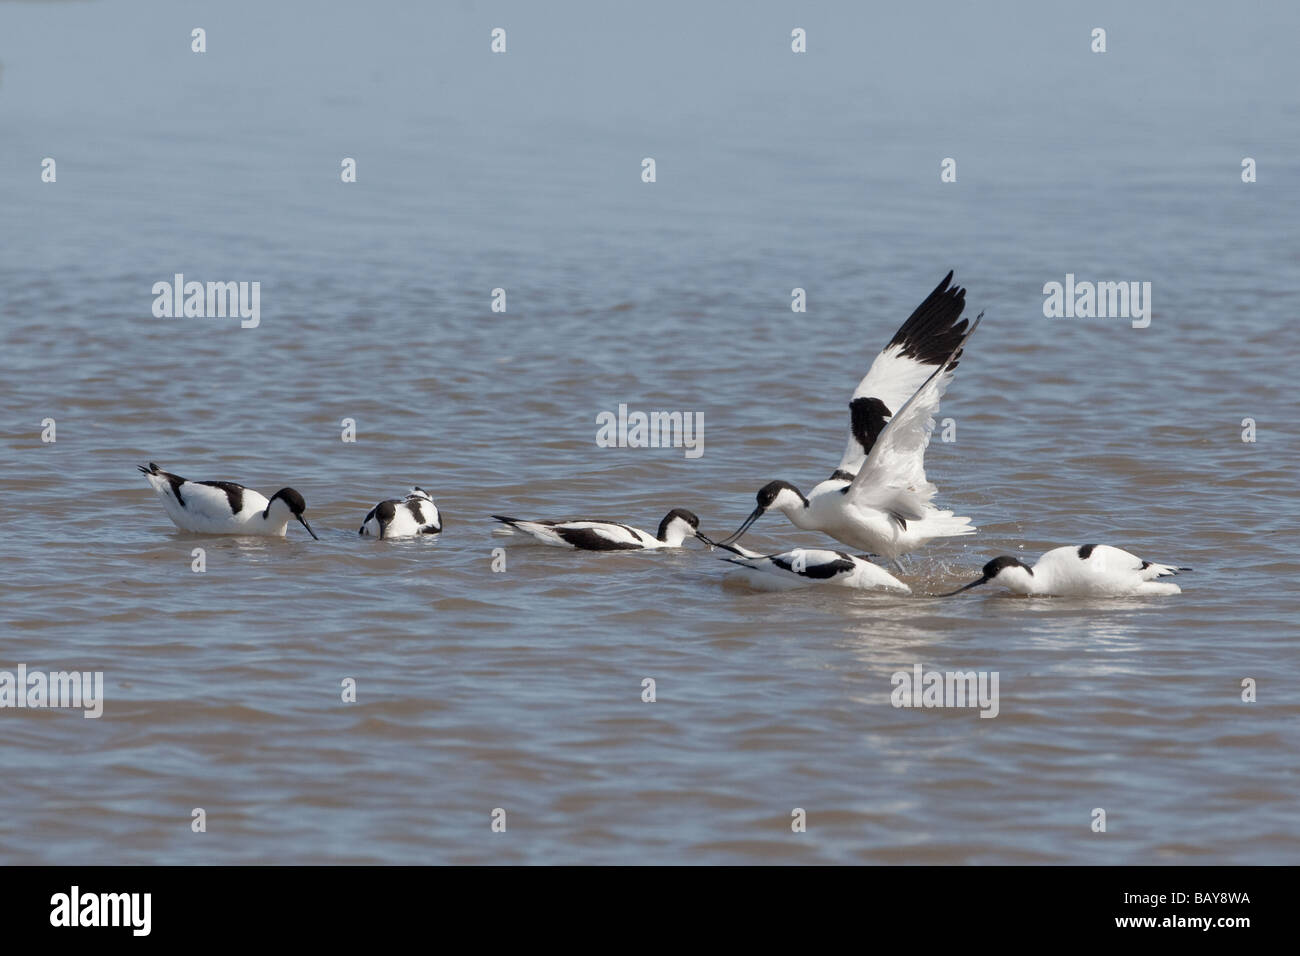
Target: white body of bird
(408,517)
(1090,570)
(812,567)
(880,528)
(224,507)
(590,534)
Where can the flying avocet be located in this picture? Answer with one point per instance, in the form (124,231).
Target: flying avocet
(1090,570)
(592,535)
(807,567)
(407,517)
(878,499)
(223,507)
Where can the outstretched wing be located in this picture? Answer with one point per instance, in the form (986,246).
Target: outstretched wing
(892,478)
(931,335)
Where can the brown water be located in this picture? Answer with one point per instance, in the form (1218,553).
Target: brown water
(522,690)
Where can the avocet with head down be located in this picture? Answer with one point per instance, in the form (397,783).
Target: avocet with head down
(223,507)
(878,499)
(407,517)
(587,534)
(808,567)
(1090,570)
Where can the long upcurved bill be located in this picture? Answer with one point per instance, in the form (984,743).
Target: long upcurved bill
(754,516)
(973,584)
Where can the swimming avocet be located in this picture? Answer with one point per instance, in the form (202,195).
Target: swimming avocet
(806,567)
(1091,570)
(407,517)
(223,507)
(878,500)
(592,535)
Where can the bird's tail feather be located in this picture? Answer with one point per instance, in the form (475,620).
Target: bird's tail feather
(945,524)
(1152,570)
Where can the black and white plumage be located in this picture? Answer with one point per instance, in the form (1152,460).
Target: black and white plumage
(810,567)
(1089,570)
(931,334)
(589,534)
(407,517)
(878,499)
(224,507)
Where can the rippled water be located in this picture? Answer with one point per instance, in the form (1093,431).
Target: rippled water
(522,690)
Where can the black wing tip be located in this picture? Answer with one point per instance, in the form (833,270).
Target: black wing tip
(504,520)
(965,333)
(936,327)
(948,288)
